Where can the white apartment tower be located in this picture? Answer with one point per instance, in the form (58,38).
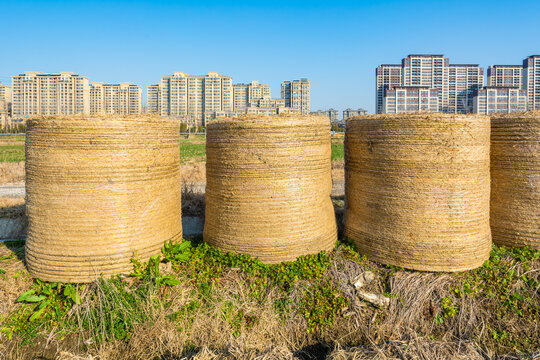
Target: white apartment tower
(463,81)
(36,93)
(531,81)
(347,113)
(331,114)
(5,93)
(428,70)
(402,99)
(499,99)
(195,97)
(388,76)
(505,75)
(152,95)
(246,94)
(123,98)
(5,103)
(296,94)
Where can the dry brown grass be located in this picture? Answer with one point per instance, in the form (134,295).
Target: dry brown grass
(11,207)
(16,279)
(195,172)
(338,170)
(405,330)
(11,172)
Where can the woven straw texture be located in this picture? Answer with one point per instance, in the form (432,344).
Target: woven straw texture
(99,190)
(417,190)
(268,184)
(515,179)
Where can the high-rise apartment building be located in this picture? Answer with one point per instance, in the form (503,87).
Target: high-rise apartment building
(428,70)
(347,113)
(267,103)
(195,97)
(455,83)
(152,99)
(296,94)
(505,75)
(5,93)
(463,81)
(331,114)
(245,94)
(36,93)
(401,99)
(388,76)
(5,104)
(531,81)
(497,99)
(123,98)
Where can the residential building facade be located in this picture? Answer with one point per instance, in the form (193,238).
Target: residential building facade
(387,76)
(505,75)
(245,94)
(428,70)
(463,81)
(347,113)
(498,99)
(195,97)
(5,93)
(35,93)
(531,81)
(455,83)
(5,104)
(331,114)
(152,99)
(401,99)
(296,95)
(123,98)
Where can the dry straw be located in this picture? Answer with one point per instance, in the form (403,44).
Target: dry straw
(268,184)
(99,190)
(417,189)
(515,179)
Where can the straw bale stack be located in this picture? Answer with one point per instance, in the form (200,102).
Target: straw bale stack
(417,189)
(99,190)
(268,184)
(515,179)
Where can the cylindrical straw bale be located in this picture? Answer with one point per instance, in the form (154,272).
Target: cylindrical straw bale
(515,179)
(417,190)
(99,190)
(268,185)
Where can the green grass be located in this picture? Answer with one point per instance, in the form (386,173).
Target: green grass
(192,151)
(338,151)
(11,153)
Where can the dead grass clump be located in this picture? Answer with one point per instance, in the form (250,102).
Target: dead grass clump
(12,207)
(193,200)
(11,172)
(418,348)
(14,279)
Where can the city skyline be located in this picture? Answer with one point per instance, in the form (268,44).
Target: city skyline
(141,41)
(499,73)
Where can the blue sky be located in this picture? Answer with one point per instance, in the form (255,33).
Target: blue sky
(336,44)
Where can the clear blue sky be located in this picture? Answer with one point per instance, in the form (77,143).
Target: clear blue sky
(336,44)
